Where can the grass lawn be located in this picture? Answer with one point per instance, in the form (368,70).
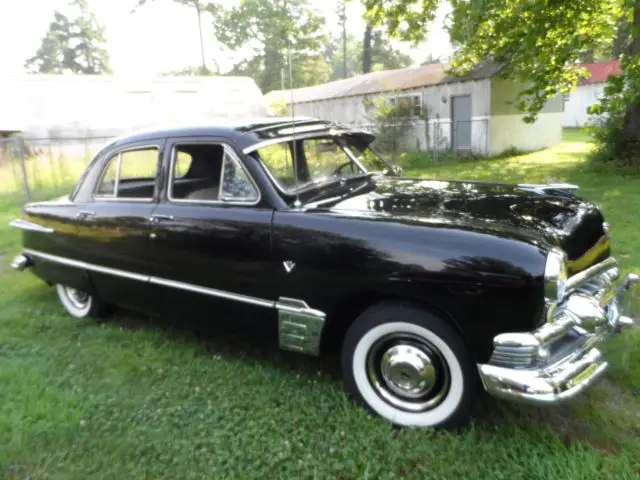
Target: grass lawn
(132,398)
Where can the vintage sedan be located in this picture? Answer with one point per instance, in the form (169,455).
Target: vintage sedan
(432,289)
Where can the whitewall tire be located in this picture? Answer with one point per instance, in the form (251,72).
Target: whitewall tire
(410,367)
(77,303)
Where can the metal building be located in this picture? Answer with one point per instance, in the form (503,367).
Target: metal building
(474,113)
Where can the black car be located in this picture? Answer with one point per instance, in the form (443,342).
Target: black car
(432,289)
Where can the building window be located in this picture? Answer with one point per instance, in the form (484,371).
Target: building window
(409,101)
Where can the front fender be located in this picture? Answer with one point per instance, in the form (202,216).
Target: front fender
(487,283)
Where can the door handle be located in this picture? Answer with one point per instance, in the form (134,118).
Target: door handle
(157,218)
(82,214)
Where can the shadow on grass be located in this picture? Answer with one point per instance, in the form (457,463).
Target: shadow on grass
(610,431)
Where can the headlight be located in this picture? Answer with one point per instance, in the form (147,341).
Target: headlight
(555,275)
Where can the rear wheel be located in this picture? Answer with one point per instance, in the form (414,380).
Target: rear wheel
(409,366)
(77,303)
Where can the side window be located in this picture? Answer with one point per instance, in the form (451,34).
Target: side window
(279,161)
(130,174)
(236,184)
(208,173)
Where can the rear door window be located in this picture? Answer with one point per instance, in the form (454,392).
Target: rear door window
(130,174)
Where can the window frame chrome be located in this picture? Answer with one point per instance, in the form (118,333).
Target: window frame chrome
(114,198)
(227,149)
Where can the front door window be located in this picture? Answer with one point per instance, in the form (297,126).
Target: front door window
(209,173)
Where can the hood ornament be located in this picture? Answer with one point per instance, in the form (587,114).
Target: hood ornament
(288,265)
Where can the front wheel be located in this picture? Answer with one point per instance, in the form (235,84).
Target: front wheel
(77,303)
(409,366)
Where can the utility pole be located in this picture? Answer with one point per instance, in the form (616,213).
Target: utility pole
(204,63)
(342,14)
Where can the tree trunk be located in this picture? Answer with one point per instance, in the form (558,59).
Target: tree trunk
(632,116)
(343,20)
(366,49)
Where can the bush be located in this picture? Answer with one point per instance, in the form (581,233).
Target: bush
(615,142)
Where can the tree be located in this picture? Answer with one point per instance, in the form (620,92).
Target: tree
(382,56)
(265,31)
(73,45)
(199,6)
(191,71)
(607,51)
(366,49)
(539,42)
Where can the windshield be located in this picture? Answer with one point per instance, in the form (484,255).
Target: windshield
(317,161)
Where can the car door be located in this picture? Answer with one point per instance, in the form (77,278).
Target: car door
(113,225)
(211,233)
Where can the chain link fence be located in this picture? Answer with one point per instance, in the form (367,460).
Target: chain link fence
(425,142)
(40,168)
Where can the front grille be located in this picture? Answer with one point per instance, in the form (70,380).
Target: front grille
(514,357)
(565,346)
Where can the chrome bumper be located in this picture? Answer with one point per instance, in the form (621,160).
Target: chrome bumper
(20,262)
(559,360)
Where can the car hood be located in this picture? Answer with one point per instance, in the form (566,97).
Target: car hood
(566,221)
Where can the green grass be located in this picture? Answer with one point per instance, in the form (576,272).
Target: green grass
(137,399)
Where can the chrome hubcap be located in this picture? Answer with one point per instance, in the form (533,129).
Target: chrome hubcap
(78,298)
(408,372)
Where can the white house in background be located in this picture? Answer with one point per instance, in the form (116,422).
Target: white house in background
(588,92)
(471,113)
(79,106)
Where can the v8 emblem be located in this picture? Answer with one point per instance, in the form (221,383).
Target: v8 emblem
(288,265)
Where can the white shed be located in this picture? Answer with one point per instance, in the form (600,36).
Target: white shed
(78,106)
(588,92)
(473,113)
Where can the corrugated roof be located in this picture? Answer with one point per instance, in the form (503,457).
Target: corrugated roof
(600,71)
(384,81)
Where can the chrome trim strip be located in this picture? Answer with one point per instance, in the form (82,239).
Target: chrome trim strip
(87,266)
(151,279)
(299,326)
(274,141)
(541,188)
(213,292)
(295,305)
(27,225)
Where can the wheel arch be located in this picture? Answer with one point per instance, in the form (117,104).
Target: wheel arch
(344,313)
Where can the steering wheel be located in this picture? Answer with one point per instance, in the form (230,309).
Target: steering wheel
(341,167)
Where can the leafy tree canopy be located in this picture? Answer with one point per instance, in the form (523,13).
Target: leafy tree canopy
(538,41)
(263,30)
(191,71)
(75,45)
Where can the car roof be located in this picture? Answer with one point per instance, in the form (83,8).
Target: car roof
(243,132)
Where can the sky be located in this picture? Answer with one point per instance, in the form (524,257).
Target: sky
(158,37)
